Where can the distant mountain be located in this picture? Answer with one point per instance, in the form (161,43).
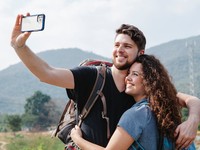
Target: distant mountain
(176,56)
(17,83)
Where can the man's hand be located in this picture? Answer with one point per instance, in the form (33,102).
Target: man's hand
(18,39)
(186,132)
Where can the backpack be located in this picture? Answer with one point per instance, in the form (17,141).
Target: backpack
(70,116)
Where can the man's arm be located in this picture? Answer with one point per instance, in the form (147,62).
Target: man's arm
(55,76)
(187,131)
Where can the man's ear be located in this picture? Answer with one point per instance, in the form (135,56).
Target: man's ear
(141,52)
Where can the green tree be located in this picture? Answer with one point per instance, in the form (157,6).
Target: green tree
(3,125)
(36,116)
(184,114)
(14,122)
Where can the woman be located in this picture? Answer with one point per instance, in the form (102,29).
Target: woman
(156,109)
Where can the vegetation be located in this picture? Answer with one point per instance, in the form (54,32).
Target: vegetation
(14,122)
(33,141)
(40,114)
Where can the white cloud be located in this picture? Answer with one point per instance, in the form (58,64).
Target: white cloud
(90,24)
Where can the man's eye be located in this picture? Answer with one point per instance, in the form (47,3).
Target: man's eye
(116,45)
(127,46)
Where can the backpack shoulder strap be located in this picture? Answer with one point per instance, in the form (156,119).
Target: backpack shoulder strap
(97,88)
(160,141)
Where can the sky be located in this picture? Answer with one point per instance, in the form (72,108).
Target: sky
(90,24)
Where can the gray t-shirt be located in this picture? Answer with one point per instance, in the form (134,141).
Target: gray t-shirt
(140,123)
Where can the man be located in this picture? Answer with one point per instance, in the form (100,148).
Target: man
(129,43)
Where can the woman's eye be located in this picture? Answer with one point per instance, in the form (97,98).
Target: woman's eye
(135,74)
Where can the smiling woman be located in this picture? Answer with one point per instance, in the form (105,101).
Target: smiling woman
(134,82)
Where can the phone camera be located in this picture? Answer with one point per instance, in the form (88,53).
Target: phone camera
(39,18)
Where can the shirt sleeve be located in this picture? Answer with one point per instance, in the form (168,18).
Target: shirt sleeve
(134,120)
(84,78)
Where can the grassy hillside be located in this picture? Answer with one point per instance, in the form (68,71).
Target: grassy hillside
(175,56)
(17,83)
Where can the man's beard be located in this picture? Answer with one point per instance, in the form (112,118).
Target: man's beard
(122,67)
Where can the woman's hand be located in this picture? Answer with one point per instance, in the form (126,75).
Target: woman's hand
(76,133)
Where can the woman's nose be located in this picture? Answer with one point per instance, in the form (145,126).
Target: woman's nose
(127,78)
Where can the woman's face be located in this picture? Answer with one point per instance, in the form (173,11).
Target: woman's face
(134,82)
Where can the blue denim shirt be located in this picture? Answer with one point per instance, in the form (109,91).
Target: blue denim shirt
(140,123)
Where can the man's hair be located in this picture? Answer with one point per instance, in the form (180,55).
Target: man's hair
(136,35)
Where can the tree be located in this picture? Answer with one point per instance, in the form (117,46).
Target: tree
(35,104)
(36,113)
(14,122)
(185,114)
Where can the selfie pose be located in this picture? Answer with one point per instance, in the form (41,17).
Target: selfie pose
(129,43)
(156,109)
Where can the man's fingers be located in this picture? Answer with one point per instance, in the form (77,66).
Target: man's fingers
(176,133)
(179,142)
(184,144)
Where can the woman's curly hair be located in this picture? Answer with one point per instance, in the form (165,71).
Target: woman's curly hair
(162,94)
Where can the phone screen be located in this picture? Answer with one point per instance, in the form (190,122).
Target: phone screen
(33,23)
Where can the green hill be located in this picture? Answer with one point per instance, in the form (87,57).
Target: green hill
(175,56)
(17,83)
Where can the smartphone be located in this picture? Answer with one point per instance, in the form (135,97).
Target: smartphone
(33,23)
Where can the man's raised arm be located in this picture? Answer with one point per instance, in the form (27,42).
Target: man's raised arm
(54,76)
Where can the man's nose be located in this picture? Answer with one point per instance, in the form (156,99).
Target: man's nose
(120,48)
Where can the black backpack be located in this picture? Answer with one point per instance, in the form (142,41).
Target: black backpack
(70,116)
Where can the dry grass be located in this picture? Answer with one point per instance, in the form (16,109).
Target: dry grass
(28,140)
(4,137)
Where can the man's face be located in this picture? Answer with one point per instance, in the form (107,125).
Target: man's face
(125,52)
